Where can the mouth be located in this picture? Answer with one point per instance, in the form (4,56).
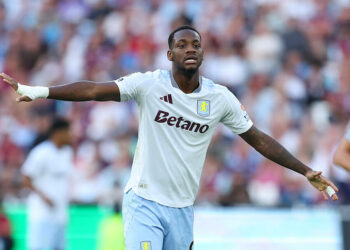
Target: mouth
(191,60)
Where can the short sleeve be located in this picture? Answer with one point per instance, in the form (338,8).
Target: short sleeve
(130,86)
(34,164)
(235,117)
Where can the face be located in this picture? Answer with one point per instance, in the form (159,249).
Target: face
(186,52)
(64,136)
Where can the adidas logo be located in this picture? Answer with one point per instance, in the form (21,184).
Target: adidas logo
(167,98)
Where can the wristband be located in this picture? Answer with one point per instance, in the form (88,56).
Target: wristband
(33,92)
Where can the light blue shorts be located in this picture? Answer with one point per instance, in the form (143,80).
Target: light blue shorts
(151,226)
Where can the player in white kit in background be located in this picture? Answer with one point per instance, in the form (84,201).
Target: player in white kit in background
(46,173)
(178,112)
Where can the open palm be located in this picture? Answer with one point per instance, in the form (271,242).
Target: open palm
(14,84)
(321,183)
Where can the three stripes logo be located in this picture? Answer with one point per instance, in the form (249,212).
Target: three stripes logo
(167,98)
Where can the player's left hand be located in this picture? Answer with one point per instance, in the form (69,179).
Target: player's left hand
(321,183)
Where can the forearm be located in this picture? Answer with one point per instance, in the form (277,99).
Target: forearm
(78,91)
(27,182)
(81,91)
(273,150)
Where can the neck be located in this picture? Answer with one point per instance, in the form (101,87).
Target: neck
(186,80)
(56,142)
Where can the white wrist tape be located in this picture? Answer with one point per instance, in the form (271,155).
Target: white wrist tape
(33,92)
(330,191)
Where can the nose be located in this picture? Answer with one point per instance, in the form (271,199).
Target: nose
(190,49)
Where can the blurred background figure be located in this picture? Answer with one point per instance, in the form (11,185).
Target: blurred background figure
(6,240)
(46,173)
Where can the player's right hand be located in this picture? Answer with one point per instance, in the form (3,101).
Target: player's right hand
(14,84)
(10,81)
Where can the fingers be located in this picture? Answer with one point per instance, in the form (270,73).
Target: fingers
(334,197)
(331,192)
(23,99)
(14,84)
(326,181)
(329,183)
(9,80)
(332,185)
(325,196)
(5,77)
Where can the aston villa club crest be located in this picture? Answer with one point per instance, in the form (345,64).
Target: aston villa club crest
(203,107)
(146,245)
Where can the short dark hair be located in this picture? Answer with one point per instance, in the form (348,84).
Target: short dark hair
(58,123)
(183,27)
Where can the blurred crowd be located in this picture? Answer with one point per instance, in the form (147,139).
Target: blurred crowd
(287,61)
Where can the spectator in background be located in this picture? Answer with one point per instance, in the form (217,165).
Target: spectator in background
(264,49)
(6,241)
(342,158)
(46,172)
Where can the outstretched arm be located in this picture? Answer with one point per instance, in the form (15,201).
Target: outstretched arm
(78,91)
(85,91)
(274,151)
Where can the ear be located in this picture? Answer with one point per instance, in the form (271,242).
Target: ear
(170,55)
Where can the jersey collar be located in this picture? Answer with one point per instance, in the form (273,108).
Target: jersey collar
(174,84)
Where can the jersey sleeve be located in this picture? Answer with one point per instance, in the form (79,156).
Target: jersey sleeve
(235,117)
(34,164)
(130,86)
